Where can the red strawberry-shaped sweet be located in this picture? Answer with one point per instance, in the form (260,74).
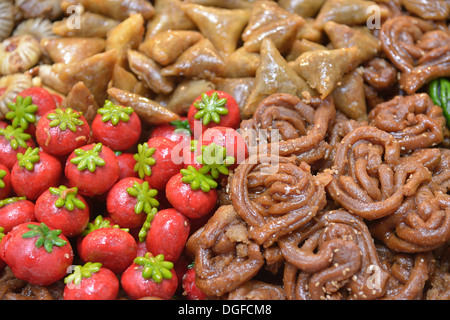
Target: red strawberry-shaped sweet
(168,233)
(228,138)
(129,201)
(114,248)
(192,193)
(34,172)
(213,108)
(15,211)
(61,131)
(36,253)
(63,208)
(150,276)
(178,131)
(2,263)
(29,106)
(155,162)
(91,281)
(13,141)
(5,182)
(190,289)
(117,127)
(93,169)
(58,99)
(181,266)
(126,164)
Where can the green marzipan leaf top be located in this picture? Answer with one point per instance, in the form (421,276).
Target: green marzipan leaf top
(82,272)
(144,160)
(198,180)
(45,236)
(155,268)
(215,160)
(15,136)
(114,113)
(65,119)
(2,175)
(88,159)
(210,108)
(99,223)
(67,198)
(147,224)
(29,158)
(7,201)
(145,197)
(22,112)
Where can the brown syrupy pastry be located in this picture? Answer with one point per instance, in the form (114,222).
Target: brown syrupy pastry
(368,178)
(409,273)
(185,92)
(238,88)
(292,126)
(428,9)
(151,112)
(149,72)
(69,49)
(118,10)
(417,48)
(81,99)
(241,63)
(304,8)
(333,258)
(269,20)
(343,36)
(225,257)
(349,96)
(168,16)
(323,69)
(127,35)
(126,80)
(274,75)
(275,196)
(257,290)
(224,35)
(90,25)
(349,12)
(413,120)
(166,46)
(380,74)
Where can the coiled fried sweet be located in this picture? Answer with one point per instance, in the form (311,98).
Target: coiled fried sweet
(332,258)
(406,42)
(413,120)
(367,178)
(275,198)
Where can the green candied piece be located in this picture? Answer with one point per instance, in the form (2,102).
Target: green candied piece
(439,90)
(65,118)
(155,268)
(2,233)
(45,237)
(2,175)
(145,197)
(198,180)
(147,224)
(7,201)
(88,159)
(99,223)
(181,126)
(23,112)
(144,160)
(82,272)
(210,108)
(215,160)
(29,158)
(67,198)
(15,136)
(114,113)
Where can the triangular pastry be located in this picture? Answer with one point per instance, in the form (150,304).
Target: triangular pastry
(82,100)
(166,46)
(223,27)
(199,61)
(69,49)
(274,75)
(322,69)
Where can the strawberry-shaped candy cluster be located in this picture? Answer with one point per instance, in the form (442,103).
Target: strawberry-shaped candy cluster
(127,195)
